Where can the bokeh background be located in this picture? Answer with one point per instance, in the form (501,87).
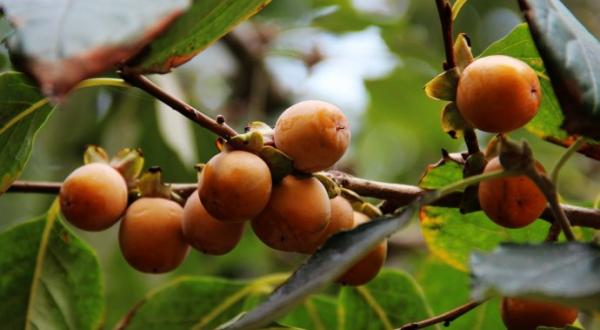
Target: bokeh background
(370,57)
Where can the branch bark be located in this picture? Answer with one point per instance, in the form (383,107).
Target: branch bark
(218,127)
(53,188)
(445,13)
(395,196)
(446,318)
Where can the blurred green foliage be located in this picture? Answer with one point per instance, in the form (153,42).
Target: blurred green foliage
(398,135)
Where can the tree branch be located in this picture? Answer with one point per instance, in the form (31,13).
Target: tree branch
(218,127)
(395,196)
(47,187)
(549,190)
(445,13)
(445,317)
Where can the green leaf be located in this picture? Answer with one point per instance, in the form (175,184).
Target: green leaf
(23,111)
(452,236)
(567,273)
(391,300)
(317,313)
(323,267)
(549,119)
(443,173)
(571,54)
(434,276)
(63,42)
(204,23)
(50,279)
(195,302)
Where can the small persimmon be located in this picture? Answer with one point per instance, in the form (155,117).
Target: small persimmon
(93,197)
(296,215)
(369,266)
(151,235)
(511,202)
(525,314)
(498,93)
(315,134)
(235,185)
(206,233)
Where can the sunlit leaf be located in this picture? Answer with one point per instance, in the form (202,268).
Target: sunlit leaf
(443,86)
(452,236)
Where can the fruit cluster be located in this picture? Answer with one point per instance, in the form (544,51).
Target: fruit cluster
(499,94)
(289,210)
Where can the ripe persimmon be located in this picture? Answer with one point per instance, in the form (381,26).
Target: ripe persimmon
(296,215)
(207,234)
(342,218)
(498,93)
(93,197)
(524,314)
(369,266)
(236,185)
(315,134)
(151,235)
(511,202)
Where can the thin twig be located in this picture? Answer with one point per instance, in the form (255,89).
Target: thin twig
(397,195)
(218,127)
(446,317)
(48,187)
(445,13)
(549,190)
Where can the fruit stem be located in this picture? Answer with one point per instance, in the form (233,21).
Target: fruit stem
(446,317)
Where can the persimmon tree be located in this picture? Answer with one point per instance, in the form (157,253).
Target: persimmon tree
(490,212)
